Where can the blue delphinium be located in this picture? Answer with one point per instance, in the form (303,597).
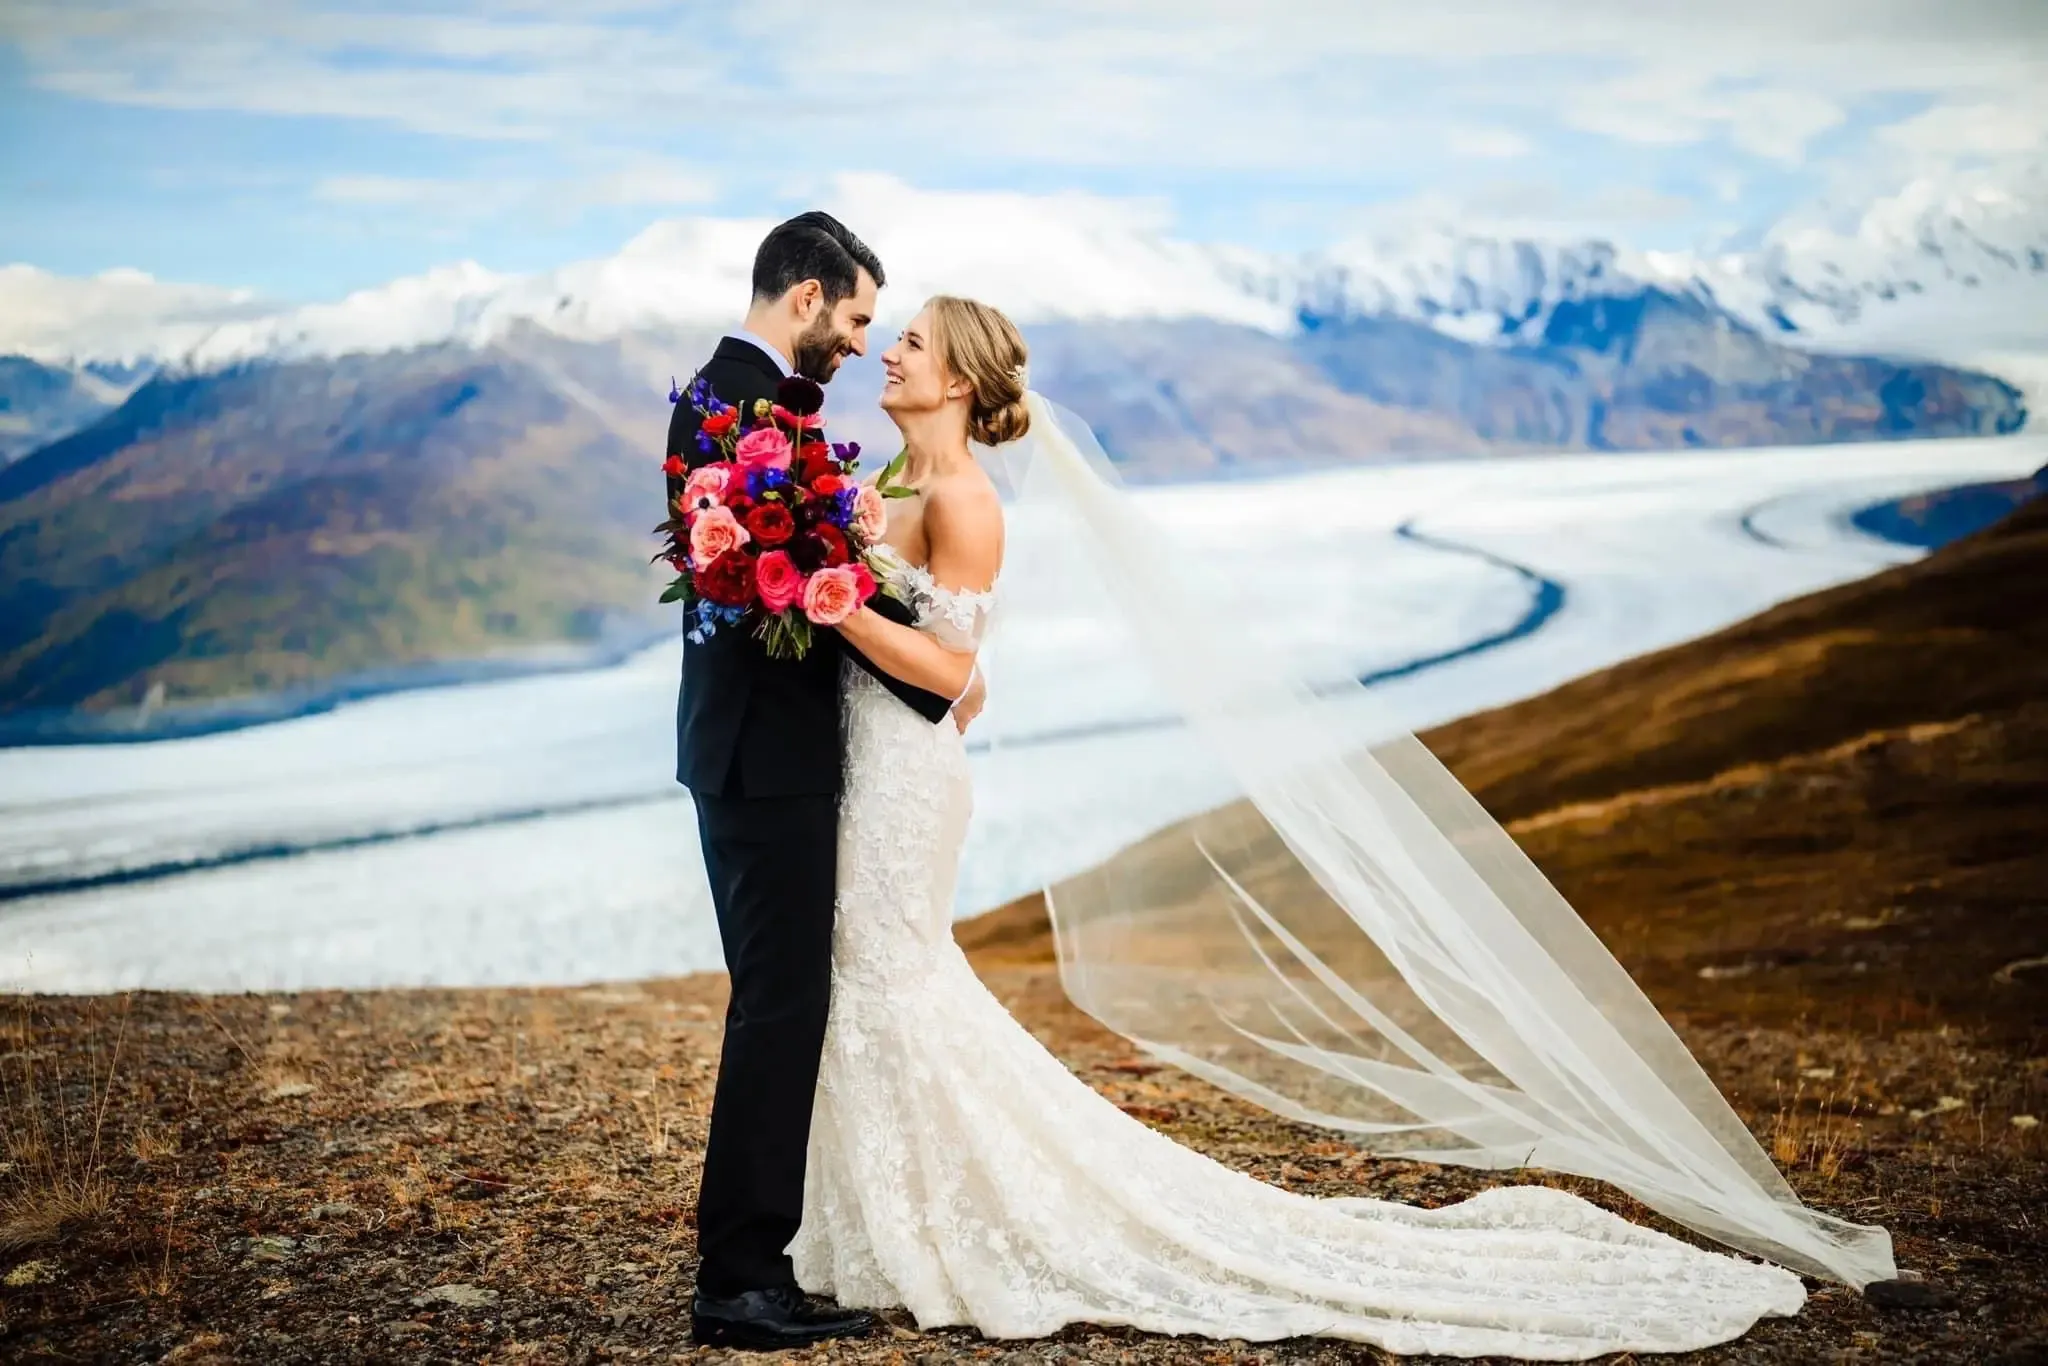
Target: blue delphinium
(710,616)
(841,514)
(768,481)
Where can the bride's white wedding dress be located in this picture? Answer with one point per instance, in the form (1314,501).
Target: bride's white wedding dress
(959,1170)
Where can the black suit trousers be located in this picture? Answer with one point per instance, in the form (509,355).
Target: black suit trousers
(772,863)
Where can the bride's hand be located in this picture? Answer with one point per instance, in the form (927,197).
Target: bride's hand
(970,703)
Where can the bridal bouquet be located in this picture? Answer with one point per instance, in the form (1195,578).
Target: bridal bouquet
(775,530)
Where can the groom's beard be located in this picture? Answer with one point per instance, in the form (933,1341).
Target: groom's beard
(819,349)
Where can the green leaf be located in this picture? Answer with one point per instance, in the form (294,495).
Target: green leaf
(676,591)
(786,635)
(885,483)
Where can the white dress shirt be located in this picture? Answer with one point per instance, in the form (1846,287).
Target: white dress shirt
(752,339)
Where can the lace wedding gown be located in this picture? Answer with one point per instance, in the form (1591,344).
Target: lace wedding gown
(959,1170)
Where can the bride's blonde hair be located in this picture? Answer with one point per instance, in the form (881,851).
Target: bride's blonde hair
(979,345)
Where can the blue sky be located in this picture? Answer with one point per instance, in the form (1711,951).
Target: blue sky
(308,149)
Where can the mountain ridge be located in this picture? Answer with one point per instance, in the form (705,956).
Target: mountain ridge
(398,479)
(269,527)
(279,524)
(1815,276)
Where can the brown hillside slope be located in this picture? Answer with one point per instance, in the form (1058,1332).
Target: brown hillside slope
(1837,809)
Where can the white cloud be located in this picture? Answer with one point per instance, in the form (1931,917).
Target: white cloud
(117,314)
(1666,106)
(1283,114)
(1992,128)
(1202,83)
(1538,210)
(1488,143)
(1779,123)
(647,182)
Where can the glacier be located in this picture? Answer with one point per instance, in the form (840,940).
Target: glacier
(529,830)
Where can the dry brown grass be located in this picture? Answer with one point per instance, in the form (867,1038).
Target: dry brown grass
(52,1129)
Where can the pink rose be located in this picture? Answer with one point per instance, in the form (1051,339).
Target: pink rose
(863,581)
(713,532)
(831,596)
(780,582)
(706,488)
(764,448)
(870,514)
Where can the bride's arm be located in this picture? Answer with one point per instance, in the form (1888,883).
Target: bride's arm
(965,531)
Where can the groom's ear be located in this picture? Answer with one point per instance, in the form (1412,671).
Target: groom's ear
(806,296)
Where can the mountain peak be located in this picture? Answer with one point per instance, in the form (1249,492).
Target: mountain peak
(1923,268)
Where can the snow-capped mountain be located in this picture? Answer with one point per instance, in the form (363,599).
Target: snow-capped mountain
(463,461)
(1957,265)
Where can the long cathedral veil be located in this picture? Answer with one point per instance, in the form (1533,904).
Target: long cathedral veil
(1355,944)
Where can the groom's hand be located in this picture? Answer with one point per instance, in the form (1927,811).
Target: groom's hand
(970,703)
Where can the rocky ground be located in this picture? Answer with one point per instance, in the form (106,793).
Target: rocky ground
(500,1176)
(1815,839)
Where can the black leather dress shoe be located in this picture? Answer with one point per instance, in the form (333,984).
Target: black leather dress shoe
(771,1320)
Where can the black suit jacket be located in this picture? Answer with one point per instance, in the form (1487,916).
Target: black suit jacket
(747,724)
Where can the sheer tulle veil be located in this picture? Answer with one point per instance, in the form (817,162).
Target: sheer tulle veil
(1355,943)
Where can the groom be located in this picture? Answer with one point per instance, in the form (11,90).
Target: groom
(758,745)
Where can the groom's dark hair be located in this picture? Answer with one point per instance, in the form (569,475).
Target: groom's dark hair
(813,246)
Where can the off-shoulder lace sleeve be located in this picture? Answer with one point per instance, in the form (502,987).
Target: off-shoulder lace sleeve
(957,618)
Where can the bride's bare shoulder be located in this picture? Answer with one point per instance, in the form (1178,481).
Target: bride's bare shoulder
(967,499)
(963,525)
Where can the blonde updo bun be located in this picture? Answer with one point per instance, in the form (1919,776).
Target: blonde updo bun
(1001,425)
(981,346)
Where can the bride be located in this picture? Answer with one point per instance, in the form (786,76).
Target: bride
(959,1170)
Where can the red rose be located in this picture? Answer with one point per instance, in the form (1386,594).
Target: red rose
(826,485)
(728,580)
(807,468)
(673,467)
(718,424)
(836,552)
(771,524)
